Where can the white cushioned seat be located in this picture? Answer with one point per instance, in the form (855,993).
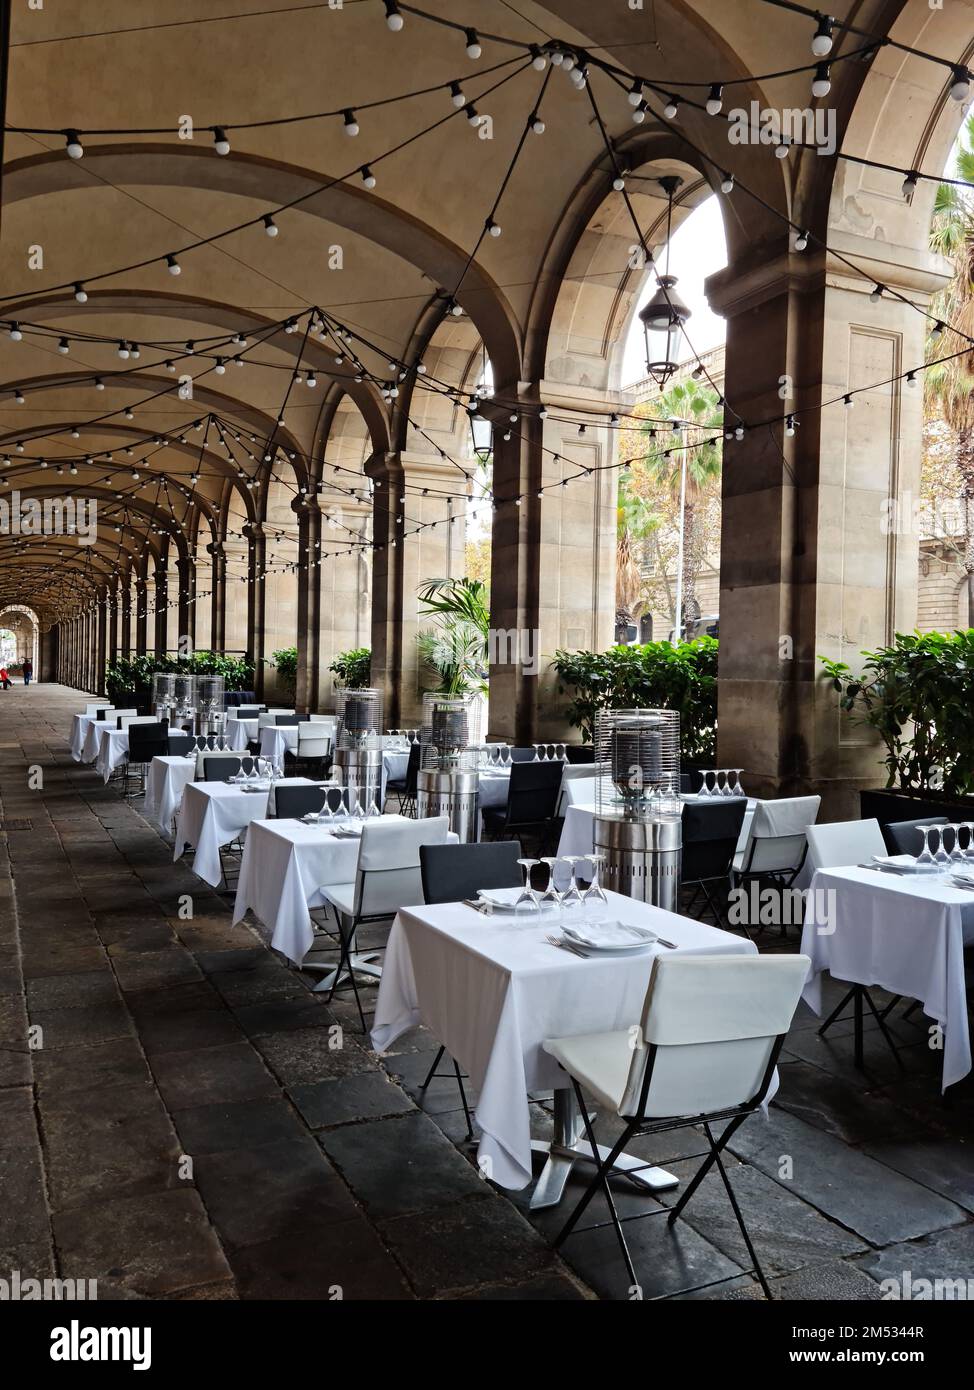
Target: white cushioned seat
(341,896)
(600,1061)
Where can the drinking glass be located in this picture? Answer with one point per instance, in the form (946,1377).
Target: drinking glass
(941,858)
(560,752)
(595,893)
(505,754)
(538,754)
(720,790)
(551,897)
(969,851)
(704,785)
(737,789)
(571,898)
(957,854)
(925,857)
(528,901)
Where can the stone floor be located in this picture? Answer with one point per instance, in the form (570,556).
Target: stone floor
(190,1127)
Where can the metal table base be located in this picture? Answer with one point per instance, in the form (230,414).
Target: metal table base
(570,1146)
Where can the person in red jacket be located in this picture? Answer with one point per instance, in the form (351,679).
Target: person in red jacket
(5,680)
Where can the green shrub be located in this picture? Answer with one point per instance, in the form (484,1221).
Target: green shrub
(133,674)
(657,675)
(918,695)
(285,662)
(354,668)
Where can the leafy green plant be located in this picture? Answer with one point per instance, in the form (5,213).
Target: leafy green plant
(132,675)
(285,662)
(918,695)
(353,668)
(656,675)
(456,648)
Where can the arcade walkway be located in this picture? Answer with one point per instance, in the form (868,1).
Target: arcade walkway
(189,1121)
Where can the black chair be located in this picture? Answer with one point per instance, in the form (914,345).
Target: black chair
(903,837)
(451,873)
(532,801)
(405,787)
(294,802)
(240,697)
(178,744)
(287,721)
(710,836)
(146,741)
(580,752)
(219,769)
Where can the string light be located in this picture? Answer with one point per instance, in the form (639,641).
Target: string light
(393,17)
(715,101)
(456,95)
(672,108)
(220,142)
(351,125)
(727,184)
(474,49)
(801,241)
(960,88)
(368,178)
(270,226)
(822,38)
(73,145)
(173,266)
(910,185)
(822,82)
(639,115)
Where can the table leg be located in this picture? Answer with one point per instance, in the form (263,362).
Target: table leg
(361,964)
(569,1146)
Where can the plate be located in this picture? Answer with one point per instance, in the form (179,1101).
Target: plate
(906,864)
(609,936)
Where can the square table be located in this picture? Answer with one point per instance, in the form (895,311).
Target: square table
(113,747)
(80,726)
(276,739)
(94,730)
(214,814)
(903,933)
(286,864)
(240,732)
(167,776)
(492,989)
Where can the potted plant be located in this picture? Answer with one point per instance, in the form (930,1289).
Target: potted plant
(285,663)
(353,668)
(917,694)
(656,675)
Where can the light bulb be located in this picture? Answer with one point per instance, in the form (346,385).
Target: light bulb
(876,294)
(123,351)
(351,124)
(635,93)
(312,380)
(64,347)
(781,150)
(368,178)
(848,402)
(822,40)
(936,333)
(472,115)
(537,124)
(739,432)
(790,427)
(715,101)
(73,145)
(821,83)
(220,367)
(173,266)
(456,95)
(270,226)
(911,379)
(618,183)
(538,61)
(801,241)
(639,115)
(910,184)
(727,184)
(557,57)
(220,142)
(960,88)
(671,109)
(568,62)
(474,49)
(80,293)
(493,228)
(393,17)
(99,384)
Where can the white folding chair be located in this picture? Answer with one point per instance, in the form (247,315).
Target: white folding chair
(118,714)
(776,842)
(124,720)
(313,745)
(92,709)
(387,877)
(705,1051)
(843,842)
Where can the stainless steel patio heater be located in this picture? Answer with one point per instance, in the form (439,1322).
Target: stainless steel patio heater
(184,702)
(638,812)
(448,783)
(163,694)
(357,761)
(210,704)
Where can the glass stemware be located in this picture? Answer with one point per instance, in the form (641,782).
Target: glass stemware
(704,784)
(528,900)
(969,851)
(941,858)
(737,789)
(571,898)
(595,893)
(551,897)
(925,858)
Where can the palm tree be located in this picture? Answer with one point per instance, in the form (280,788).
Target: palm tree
(636,520)
(949,386)
(699,448)
(457,648)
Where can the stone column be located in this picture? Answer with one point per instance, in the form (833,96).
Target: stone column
(161,579)
(126,609)
(186,609)
(808,566)
(256,552)
(218,596)
(309,602)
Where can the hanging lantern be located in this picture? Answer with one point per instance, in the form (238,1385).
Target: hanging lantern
(664,317)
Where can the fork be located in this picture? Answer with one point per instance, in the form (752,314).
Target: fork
(562,945)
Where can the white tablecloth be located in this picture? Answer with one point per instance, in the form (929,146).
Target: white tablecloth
(240,732)
(903,934)
(94,728)
(80,724)
(213,814)
(164,783)
(113,749)
(275,738)
(491,989)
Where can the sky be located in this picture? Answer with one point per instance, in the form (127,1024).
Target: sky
(697,249)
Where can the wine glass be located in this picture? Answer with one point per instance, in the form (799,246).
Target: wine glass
(551,897)
(528,901)
(505,754)
(719,790)
(956,854)
(925,858)
(560,752)
(969,851)
(704,784)
(941,858)
(571,898)
(737,789)
(538,755)
(595,893)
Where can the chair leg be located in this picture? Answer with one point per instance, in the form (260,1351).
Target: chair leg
(602,1178)
(606,1164)
(738,1214)
(432,1071)
(704,1168)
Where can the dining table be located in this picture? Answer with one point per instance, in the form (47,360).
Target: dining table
(214,814)
(902,931)
(286,866)
(165,781)
(112,749)
(492,988)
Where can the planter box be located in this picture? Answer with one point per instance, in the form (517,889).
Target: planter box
(890,806)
